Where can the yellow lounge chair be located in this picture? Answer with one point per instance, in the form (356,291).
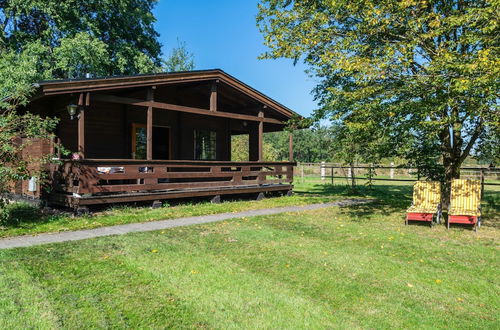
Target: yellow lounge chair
(426,205)
(465,202)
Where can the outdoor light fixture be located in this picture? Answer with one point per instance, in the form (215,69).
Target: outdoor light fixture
(72,110)
(245,124)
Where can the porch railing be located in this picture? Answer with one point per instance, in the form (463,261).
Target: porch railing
(95,176)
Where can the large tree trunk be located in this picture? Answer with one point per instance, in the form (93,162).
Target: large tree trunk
(353,178)
(451,171)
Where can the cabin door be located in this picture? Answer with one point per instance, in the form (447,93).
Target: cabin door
(161,142)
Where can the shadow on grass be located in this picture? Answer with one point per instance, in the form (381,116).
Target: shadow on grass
(388,198)
(394,198)
(491,209)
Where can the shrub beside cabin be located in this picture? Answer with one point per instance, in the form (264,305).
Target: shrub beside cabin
(156,137)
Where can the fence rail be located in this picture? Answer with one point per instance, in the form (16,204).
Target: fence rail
(488,175)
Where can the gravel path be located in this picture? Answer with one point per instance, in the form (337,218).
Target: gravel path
(24,241)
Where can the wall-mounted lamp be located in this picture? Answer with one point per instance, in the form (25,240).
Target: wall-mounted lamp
(72,110)
(245,124)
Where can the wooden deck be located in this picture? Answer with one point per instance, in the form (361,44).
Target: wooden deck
(99,181)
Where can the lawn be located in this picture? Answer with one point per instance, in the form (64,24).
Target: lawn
(129,214)
(356,267)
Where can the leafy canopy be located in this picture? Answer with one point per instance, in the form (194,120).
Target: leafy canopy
(424,73)
(53,39)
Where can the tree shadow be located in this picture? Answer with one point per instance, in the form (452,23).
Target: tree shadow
(491,208)
(395,198)
(387,198)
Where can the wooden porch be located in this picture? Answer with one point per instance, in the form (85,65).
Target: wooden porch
(159,136)
(99,181)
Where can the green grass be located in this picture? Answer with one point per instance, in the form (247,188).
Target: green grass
(305,194)
(131,214)
(355,267)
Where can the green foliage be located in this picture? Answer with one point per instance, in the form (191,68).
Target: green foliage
(240,149)
(180,59)
(16,213)
(81,54)
(17,131)
(423,76)
(19,70)
(121,33)
(309,145)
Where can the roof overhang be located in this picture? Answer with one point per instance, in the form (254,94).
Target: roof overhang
(57,87)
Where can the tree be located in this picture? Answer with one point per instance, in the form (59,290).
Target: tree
(426,73)
(353,143)
(240,149)
(180,59)
(309,145)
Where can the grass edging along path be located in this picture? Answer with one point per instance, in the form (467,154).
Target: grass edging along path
(130,214)
(24,241)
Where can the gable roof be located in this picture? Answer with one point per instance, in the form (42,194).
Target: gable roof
(54,87)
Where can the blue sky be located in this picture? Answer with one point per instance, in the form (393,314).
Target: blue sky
(223,34)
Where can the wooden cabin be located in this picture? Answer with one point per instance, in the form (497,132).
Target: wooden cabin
(157,137)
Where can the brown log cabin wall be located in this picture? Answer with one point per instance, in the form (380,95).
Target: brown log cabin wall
(108,131)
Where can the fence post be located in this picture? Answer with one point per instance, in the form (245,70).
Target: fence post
(322,171)
(392,170)
(332,175)
(302,172)
(369,175)
(482,182)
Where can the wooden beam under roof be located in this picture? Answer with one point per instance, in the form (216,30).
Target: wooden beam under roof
(174,107)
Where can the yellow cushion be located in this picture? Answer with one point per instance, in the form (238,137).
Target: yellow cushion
(426,197)
(414,209)
(465,197)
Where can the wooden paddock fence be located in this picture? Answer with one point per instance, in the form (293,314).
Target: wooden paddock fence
(329,172)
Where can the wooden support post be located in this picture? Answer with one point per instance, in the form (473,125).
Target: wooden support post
(87,99)
(83,100)
(290,147)
(149,126)
(213,96)
(261,136)
(81,133)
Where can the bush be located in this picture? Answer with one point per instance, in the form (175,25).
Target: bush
(16,213)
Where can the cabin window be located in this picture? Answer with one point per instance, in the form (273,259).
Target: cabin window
(205,142)
(139,141)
